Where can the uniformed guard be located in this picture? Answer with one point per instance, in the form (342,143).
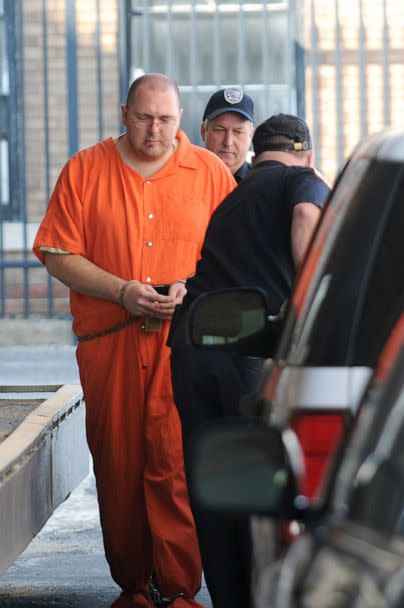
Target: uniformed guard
(227,128)
(256,237)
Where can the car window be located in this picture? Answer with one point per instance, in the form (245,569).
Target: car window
(311,272)
(383,295)
(367,223)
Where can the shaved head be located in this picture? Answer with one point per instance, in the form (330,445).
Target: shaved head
(152,117)
(153,81)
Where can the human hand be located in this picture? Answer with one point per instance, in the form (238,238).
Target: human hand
(143,301)
(177,290)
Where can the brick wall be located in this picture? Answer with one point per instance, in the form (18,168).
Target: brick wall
(51,36)
(87,87)
(349,93)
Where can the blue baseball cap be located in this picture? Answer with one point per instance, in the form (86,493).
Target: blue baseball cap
(231,99)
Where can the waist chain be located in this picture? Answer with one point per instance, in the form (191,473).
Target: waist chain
(109,330)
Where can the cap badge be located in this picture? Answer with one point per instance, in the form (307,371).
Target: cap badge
(233,95)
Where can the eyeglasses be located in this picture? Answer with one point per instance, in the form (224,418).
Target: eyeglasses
(146,120)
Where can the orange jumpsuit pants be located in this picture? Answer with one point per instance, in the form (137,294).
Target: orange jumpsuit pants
(134,436)
(149,229)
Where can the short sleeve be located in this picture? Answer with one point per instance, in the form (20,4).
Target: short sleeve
(305,186)
(62,225)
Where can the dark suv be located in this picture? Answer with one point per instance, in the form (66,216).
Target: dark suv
(351,554)
(344,304)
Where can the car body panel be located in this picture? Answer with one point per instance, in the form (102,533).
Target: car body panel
(345,303)
(353,557)
(323,388)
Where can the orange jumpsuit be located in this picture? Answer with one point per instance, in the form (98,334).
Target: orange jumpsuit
(150,230)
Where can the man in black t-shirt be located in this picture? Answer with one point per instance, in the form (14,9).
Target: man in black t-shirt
(256,237)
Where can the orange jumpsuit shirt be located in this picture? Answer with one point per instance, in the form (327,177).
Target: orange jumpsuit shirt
(150,230)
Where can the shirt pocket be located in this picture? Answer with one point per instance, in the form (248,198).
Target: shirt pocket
(184,219)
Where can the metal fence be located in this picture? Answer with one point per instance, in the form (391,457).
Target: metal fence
(354,75)
(48,111)
(45,105)
(205,45)
(65,66)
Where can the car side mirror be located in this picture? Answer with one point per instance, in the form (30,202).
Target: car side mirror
(247,467)
(235,319)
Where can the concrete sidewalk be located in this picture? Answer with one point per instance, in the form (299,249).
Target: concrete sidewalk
(65,564)
(38,365)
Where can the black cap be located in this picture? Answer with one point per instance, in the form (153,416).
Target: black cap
(286,125)
(229,100)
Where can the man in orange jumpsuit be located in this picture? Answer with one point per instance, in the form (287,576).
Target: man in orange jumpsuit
(125,216)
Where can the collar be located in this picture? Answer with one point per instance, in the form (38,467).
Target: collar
(184,154)
(269,163)
(242,172)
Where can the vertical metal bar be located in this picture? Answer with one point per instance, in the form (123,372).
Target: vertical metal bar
(363,105)
(217,72)
(99,71)
(170,41)
(194,67)
(125,18)
(2,269)
(19,141)
(72,75)
(315,84)
(386,69)
(291,57)
(46,96)
(2,117)
(241,44)
(339,106)
(14,35)
(265,54)
(46,131)
(2,279)
(194,64)
(146,37)
(18,84)
(299,58)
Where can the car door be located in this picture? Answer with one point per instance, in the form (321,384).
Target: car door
(359,561)
(344,303)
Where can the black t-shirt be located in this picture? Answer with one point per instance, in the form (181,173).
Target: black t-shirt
(248,240)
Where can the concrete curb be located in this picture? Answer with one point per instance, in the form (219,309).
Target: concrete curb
(41,462)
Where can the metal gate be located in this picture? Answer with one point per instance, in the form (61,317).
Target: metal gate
(65,66)
(206,45)
(59,91)
(44,97)
(354,74)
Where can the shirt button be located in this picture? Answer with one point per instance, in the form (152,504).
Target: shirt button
(148,182)
(150,216)
(148,279)
(149,244)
